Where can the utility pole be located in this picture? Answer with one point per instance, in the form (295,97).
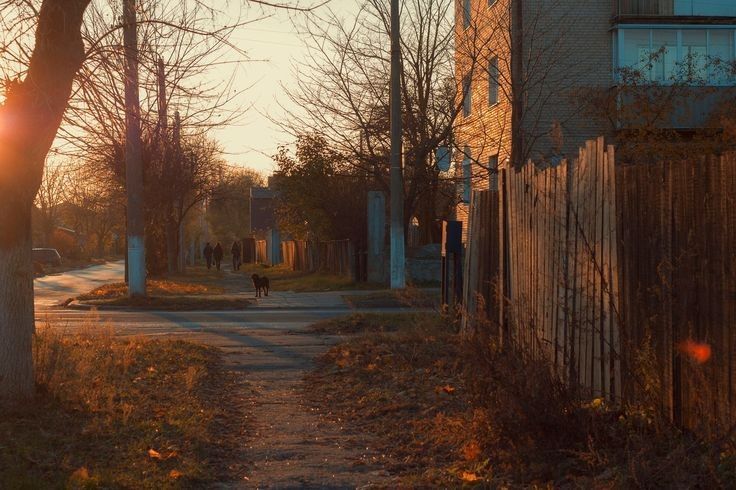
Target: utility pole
(133,156)
(179,159)
(398,259)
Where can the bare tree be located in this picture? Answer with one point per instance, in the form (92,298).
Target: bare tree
(43,46)
(51,194)
(94,206)
(343,96)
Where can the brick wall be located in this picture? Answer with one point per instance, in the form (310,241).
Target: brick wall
(567,49)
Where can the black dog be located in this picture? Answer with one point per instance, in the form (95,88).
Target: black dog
(260,283)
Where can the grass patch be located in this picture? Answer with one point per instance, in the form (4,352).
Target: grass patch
(280,276)
(409,297)
(284,279)
(164,294)
(364,323)
(114,413)
(155,287)
(450,412)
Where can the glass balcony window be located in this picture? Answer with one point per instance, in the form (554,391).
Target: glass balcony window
(690,56)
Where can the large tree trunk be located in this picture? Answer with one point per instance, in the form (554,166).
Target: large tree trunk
(29,120)
(16,307)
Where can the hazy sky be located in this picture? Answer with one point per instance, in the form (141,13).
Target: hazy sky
(276,42)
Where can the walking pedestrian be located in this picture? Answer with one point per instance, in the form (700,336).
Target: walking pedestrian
(237,258)
(207,252)
(217,254)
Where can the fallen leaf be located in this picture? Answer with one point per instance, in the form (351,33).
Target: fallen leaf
(447,389)
(471,451)
(468,476)
(81,474)
(175,474)
(154,454)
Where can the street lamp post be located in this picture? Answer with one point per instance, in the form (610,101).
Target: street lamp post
(398,261)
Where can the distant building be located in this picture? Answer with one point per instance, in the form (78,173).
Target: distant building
(262,210)
(263,222)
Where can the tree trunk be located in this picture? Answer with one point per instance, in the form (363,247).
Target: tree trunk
(16,309)
(29,119)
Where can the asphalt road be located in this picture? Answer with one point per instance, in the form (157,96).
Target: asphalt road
(53,289)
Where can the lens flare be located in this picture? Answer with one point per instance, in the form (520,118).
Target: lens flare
(696,351)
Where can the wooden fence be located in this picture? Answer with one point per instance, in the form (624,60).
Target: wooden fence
(592,265)
(261,252)
(333,257)
(677,225)
(299,255)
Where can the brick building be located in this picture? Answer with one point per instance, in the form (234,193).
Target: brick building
(524,69)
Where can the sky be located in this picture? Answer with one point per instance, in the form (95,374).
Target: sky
(274,45)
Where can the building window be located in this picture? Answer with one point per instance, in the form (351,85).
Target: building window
(466,13)
(687,55)
(467,95)
(705,7)
(493,81)
(685,8)
(493,173)
(467,185)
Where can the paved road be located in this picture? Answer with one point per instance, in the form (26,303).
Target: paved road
(53,289)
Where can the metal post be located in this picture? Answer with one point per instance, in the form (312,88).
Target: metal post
(133,157)
(398,278)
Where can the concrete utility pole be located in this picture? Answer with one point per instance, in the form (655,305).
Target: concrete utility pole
(398,259)
(133,156)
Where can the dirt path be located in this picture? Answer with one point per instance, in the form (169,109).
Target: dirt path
(292,445)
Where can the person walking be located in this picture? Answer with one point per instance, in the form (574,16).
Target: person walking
(217,254)
(207,252)
(237,258)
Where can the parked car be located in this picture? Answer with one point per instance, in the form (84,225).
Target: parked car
(46,256)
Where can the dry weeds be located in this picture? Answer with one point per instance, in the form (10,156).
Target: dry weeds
(453,412)
(123,414)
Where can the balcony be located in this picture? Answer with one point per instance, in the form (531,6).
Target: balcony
(677,8)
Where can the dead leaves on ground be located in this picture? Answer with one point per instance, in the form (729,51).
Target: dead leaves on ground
(406,387)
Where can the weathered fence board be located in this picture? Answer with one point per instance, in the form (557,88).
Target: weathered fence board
(333,257)
(607,271)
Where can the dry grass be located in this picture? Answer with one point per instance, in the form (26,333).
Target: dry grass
(155,287)
(114,413)
(451,412)
(281,277)
(409,297)
(163,294)
(284,279)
